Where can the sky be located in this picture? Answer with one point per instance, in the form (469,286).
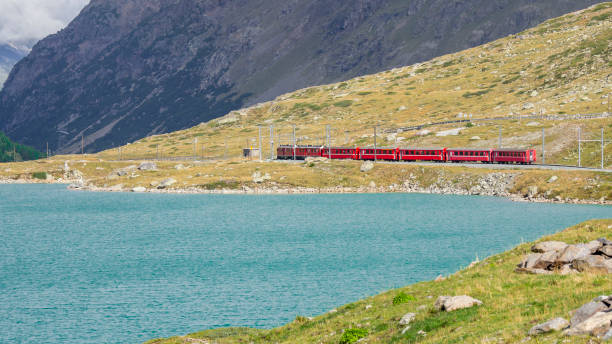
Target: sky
(27,21)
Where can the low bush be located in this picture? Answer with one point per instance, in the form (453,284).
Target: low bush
(39,175)
(402,298)
(352,335)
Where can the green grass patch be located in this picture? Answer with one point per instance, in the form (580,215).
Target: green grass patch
(436,322)
(476,94)
(403,298)
(39,175)
(343,103)
(352,335)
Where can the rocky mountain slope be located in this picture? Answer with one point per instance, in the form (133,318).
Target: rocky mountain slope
(126,69)
(9,56)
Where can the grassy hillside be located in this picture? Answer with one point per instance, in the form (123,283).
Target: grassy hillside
(560,67)
(513,303)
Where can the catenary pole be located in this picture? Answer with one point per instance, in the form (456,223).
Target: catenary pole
(579,147)
(602,148)
(375,143)
(260,147)
(543,150)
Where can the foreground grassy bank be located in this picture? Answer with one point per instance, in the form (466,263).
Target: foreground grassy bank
(513,303)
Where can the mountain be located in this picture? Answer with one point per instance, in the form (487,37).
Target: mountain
(9,56)
(125,69)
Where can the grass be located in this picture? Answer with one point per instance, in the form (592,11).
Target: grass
(512,304)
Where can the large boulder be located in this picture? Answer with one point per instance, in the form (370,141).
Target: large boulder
(592,263)
(166,183)
(453,303)
(530,261)
(594,245)
(597,325)
(556,324)
(147,166)
(586,311)
(573,252)
(548,246)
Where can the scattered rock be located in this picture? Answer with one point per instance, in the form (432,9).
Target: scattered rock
(372,185)
(423,132)
(475,138)
(368,306)
(556,324)
(530,261)
(528,106)
(166,183)
(405,329)
(553,179)
(534,93)
(139,189)
(367,166)
(440,278)
(606,250)
(407,318)
(605,241)
(179,167)
(555,256)
(147,166)
(533,124)
(452,303)
(450,132)
(154,183)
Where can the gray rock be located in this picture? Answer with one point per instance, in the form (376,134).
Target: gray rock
(566,270)
(452,303)
(606,250)
(547,246)
(530,261)
(534,271)
(553,179)
(147,166)
(573,252)
(597,325)
(407,318)
(139,189)
(605,241)
(556,324)
(607,336)
(594,245)
(592,263)
(586,311)
(154,183)
(166,183)
(532,191)
(179,167)
(547,260)
(367,166)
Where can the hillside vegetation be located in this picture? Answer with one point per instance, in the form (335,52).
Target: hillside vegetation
(11,151)
(512,304)
(561,67)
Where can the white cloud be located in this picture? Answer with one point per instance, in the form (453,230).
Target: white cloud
(24,21)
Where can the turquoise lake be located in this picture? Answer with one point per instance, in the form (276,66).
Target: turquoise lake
(80,267)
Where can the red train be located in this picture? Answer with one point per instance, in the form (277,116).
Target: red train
(482,155)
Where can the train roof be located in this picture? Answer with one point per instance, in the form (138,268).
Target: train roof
(512,149)
(422,148)
(470,149)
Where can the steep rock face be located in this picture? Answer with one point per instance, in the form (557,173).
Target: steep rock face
(124,69)
(9,55)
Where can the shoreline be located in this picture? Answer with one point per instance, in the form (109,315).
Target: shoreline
(79,185)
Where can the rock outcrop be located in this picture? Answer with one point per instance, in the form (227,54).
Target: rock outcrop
(558,257)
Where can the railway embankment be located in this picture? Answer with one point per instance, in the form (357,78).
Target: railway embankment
(318,176)
(486,302)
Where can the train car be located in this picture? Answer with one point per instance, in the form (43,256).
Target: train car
(369,153)
(514,156)
(286,152)
(339,152)
(469,155)
(422,154)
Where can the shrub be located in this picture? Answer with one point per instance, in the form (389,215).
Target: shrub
(344,103)
(39,175)
(402,298)
(469,125)
(352,335)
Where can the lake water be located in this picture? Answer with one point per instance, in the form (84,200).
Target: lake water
(78,267)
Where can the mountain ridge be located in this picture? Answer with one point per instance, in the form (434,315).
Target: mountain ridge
(124,70)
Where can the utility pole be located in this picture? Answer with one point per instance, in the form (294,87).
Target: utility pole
(195,149)
(500,137)
(579,147)
(543,151)
(47,150)
(293,141)
(602,148)
(374,143)
(327,131)
(271,142)
(260,152)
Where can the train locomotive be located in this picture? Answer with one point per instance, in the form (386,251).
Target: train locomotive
(442,155)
